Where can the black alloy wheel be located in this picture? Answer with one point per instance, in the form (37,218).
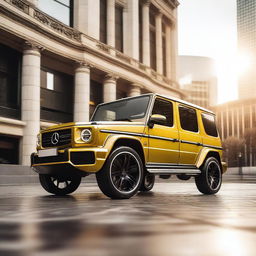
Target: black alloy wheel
(59,185)
(121,176)
(209,181)
(148,182)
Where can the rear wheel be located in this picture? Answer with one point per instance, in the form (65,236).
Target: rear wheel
(148,182)
(121,176)
(209,181)
(59,185)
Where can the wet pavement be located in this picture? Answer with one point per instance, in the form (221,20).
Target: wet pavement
(174,219)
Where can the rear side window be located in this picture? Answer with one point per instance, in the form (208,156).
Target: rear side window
(164,108)
(188,119)
(209,125)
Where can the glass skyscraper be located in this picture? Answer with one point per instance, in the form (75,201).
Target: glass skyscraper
(246,24)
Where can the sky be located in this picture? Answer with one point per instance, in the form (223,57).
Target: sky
(208,28)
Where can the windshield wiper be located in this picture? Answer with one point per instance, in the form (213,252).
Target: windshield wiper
(123,119)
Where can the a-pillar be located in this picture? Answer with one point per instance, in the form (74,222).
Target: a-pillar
(111,23)
(82,93)
(145,33)
(109,88)
(30,99)
(159,43)
(135,90)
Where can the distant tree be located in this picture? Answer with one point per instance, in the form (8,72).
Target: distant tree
(232,147)
(250,141)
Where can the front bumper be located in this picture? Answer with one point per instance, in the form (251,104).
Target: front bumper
(86,160)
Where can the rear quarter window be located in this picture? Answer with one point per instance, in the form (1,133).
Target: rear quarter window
(209,124)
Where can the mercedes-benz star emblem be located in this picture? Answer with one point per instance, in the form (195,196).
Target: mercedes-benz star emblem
(55,138)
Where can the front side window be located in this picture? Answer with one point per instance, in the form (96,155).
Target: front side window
(188,119)
(209,124)
(132,110)
(61,10)
(164,108)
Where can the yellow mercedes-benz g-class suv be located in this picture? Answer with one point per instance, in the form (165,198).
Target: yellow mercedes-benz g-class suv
(128,142)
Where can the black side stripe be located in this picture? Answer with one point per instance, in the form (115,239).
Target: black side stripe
(160,138)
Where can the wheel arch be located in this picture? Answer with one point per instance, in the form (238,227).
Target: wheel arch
(129,141)
(205,154)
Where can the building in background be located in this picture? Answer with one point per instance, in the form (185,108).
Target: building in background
(237,119)
(197,78)
(246,29)
(59,59)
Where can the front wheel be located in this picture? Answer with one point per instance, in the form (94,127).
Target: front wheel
(210,179)
(121,176)
(59,185)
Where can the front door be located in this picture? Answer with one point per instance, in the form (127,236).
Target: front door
(163,141)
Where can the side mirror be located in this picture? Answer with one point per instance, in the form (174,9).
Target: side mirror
(156,119)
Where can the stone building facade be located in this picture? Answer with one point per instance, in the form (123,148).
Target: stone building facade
(59,59)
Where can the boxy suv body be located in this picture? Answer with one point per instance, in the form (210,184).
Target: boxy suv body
(128,142)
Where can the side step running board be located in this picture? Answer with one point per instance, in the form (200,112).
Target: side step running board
(174,171)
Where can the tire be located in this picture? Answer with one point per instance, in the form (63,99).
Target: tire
(121,176)
(210,179)
(59,185)
(148,182)
(183,177)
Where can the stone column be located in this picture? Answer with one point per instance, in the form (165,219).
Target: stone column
(109,88)
(135,90)
(174,49)
(168,44)
(159,44)
(87,17)
(82,93)
(145,33)
(30,99)
(34,2)
(111,23)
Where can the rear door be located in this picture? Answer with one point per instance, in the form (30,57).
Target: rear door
(163,141)
(190,137)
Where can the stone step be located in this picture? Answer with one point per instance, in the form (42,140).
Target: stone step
(10,169)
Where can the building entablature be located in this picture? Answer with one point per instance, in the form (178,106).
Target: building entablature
(27,22)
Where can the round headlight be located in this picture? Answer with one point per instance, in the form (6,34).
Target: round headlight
(86,135)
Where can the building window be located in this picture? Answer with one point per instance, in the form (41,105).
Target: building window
(152,39)
(103,21)
(61,10)
(119,28)
(9,150)
(164,48)
(10,61)
(96,95)
(57,92)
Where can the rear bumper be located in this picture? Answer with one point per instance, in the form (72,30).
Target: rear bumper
(86,160)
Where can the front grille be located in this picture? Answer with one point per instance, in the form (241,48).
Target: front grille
(61,137)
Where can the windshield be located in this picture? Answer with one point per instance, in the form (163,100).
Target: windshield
(133,109)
